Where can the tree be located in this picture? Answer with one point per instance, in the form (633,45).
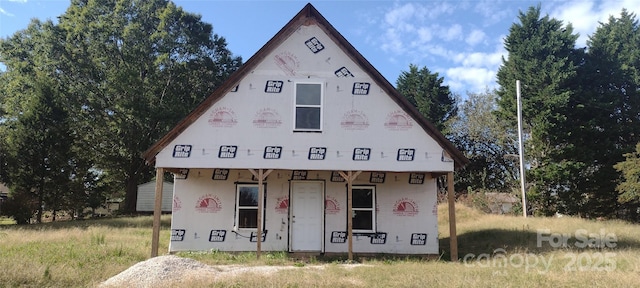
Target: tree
(34,125)
(30,87)
(486,142)
(630,168)
(629,187)
(38,143)
(425,91)
(542,55)
(609,110)
(134,69)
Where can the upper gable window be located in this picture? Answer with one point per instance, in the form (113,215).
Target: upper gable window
(308,107)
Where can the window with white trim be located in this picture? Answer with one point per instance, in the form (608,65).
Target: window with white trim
(308,107)
(247,206)
(364,208)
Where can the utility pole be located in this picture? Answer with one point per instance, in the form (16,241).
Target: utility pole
(521,151)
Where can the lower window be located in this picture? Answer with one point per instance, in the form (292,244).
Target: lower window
(247,206)
(364,208)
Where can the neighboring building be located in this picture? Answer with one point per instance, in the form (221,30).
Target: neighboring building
(306,112)
(110,207)
(4,194)
(501,203)
(147,196)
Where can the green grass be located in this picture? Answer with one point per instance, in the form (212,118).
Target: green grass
(494,250)
(6,221)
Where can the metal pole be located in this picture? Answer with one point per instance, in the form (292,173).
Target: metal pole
(521,151)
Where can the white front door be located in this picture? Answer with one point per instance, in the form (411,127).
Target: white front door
(307,216)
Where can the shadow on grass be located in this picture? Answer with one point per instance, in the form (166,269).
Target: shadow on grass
(525,241)
(112,222)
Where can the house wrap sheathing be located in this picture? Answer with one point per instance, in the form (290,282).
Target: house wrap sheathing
(344,164)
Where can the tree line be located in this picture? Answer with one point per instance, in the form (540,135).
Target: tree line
(83,98)
(80,100)
(581,114)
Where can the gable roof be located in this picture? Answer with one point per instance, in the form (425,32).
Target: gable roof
(308,15)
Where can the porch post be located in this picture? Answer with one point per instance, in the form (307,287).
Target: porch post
(453,237)
(350,214)
(260,209)
(261,175)
(157,211)
(350,176)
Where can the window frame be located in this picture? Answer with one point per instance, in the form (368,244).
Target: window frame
(372,209)
(236,218)
(296,106)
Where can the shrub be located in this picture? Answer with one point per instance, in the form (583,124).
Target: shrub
(20,207)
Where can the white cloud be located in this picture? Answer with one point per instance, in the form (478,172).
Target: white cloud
(438,50)
(476,71)
(479,59)
(435,10)
(472,79)
(435,35)
(3,12)
(452,33)
(424,35)
(401,18)
(398,14)
(492,11)
(581,16)
(414,21)
(585,16)
(476,36)
(392,42)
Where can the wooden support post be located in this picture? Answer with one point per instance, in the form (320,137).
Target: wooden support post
(260,209)
(157,211)
(453,237)
(350,176)
(261,175)
(350,215)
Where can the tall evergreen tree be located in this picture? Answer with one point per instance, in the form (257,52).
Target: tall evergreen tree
(426,92)
(39,142)
(541,55)
(609,110)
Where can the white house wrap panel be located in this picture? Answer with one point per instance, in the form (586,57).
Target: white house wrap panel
(305,107)
(357,113)
(204,212)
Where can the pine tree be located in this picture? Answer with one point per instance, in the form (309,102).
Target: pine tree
(426,92)
(39,145)
(609,107)
(542,56)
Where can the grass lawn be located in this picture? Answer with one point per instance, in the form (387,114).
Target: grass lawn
(495,251)
(6,221)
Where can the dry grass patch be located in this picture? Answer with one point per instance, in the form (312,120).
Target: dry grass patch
(86,253)
(73,254)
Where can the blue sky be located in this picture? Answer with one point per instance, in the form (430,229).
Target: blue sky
(460,40)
